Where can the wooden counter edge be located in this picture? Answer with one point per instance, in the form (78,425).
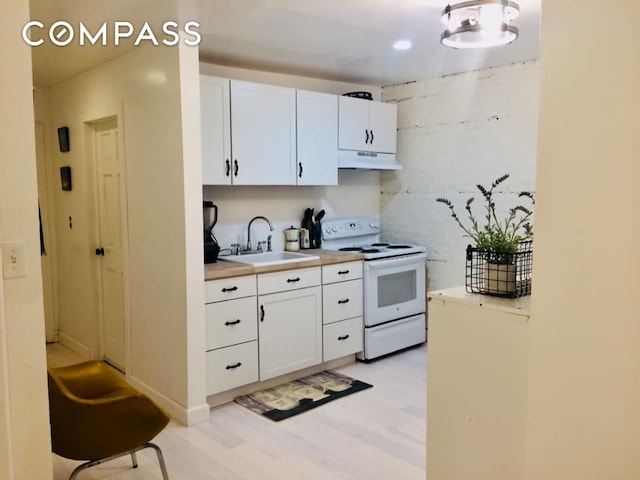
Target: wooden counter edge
(223,269)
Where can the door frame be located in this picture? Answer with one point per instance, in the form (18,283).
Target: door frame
(46,172)
(90,142)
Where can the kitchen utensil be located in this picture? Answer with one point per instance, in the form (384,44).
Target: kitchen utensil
(304,239)
(209,220)
(292,239)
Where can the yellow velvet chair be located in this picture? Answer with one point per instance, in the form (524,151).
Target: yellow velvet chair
(97,416)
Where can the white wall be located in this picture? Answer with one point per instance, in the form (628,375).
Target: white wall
(357,193)
(24,412)
(144,90)
(454,132)
(584,379)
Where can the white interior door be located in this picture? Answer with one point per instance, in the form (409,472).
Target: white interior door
(110,248)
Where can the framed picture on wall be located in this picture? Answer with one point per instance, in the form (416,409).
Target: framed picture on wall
(63,139)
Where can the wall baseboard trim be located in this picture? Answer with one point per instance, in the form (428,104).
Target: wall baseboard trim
(75,346)
(179,413)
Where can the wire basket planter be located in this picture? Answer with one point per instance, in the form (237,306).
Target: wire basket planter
(501,274)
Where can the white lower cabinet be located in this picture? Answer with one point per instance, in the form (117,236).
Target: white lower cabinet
(262,326)
(342,310)
(231,333)
(289,331)
(232,367)
(342,338)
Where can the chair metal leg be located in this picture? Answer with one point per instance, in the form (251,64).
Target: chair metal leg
(93,463)
(165,475)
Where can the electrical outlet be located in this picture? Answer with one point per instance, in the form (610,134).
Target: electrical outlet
(13,264)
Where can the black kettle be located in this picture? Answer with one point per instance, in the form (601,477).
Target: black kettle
(210,218)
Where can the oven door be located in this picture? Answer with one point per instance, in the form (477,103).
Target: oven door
(394,288)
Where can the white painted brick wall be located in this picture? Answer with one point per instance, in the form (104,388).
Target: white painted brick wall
(454,132)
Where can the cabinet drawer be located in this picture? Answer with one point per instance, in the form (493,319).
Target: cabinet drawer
(231,322)
(341,301)
(232,367)
(342,338)
(288,280)
(341,272)
(229,288)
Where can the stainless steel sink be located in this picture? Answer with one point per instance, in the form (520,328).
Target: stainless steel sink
(269,258)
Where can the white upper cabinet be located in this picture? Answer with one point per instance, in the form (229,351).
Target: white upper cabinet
(255,134)
(317,138)
(263,129)
(215,117)
(367,125)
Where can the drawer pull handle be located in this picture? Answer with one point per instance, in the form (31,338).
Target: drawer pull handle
(293,280)
(235,322)
(343,337)
(343,272)
(342,302)
(231,289)
(231,367)
(262,313)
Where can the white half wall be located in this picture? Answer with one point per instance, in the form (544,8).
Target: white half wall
(25,444)
(584,375)
(454,132)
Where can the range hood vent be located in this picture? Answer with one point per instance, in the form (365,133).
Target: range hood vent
(367,160)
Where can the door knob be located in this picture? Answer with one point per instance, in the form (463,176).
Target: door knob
(100,251)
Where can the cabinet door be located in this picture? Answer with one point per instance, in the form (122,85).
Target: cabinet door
(289,331)
(263,134)
(353,123)
(317,138)
(215,121)
(383,125)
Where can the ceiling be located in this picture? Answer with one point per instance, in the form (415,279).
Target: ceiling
(346,40)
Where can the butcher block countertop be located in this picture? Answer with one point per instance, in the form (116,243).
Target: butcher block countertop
(222,269)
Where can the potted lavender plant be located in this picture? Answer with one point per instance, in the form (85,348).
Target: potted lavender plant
(497,240)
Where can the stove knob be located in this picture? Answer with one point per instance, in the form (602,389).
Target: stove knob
(334,229)
(327,229)
(372,224)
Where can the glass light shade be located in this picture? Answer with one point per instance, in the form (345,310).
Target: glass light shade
(479,23)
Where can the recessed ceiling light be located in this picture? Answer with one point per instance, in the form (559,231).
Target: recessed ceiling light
(403,45)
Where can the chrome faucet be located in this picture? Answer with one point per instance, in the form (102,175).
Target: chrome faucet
(259,217)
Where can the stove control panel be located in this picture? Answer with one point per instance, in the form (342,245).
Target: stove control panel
(349,227)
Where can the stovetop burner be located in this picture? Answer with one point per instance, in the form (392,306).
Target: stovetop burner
(398,246)
(350,249)
(380,244)
(369,250)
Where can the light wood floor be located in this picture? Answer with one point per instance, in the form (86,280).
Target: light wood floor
(375,434)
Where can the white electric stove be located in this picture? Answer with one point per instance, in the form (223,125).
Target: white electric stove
(394,284)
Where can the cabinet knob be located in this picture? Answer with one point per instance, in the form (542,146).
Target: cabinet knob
(262,313)
(230,289)
(293,280)
(299,169)
(231,367)
(235,322)
(344,337)
(342,302)
(100,251)
(228,169)
(235,167)
(371,137)
(367,133)
(343,272)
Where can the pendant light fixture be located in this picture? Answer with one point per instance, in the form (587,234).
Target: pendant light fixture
(479,23)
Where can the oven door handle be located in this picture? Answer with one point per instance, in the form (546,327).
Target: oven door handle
(395,261)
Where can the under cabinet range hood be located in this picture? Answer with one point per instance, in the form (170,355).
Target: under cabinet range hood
(367,160)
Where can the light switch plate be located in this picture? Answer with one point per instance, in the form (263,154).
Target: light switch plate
(13,262)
